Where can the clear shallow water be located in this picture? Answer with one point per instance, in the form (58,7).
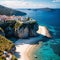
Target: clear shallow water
(51,19)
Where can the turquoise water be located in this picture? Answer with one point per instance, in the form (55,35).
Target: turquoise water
(50,49)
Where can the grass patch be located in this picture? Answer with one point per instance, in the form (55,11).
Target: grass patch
(5,44)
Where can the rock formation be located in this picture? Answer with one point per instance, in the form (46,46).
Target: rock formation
(26,29)
(21,29)
(44,31)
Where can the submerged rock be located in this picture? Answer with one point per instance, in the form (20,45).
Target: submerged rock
(35,56)
(56,48)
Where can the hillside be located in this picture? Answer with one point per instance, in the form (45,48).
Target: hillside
(5,44)
(8,11)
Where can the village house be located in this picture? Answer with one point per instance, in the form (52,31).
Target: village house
(13,17)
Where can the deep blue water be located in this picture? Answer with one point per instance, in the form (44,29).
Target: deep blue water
(51,19)
(45,17)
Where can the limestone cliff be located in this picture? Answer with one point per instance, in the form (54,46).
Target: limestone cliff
(20,29)
(26,29)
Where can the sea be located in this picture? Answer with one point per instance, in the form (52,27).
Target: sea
(50,50)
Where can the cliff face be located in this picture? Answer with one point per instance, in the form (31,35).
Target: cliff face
(2,32)
(22,29)
(26,29)
(19,29)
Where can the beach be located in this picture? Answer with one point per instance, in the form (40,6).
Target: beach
(25,47)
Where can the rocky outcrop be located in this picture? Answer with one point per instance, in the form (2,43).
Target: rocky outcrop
(26,29)
(44,31)
(8,11)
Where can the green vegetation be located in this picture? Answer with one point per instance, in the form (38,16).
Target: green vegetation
(32,23)
(5,44)
(27,19)
(2,32)
(14,58)
(7,23)
(17,25)
(8,11)
(10,21)
(1,29)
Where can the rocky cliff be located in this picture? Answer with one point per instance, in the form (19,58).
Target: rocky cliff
(20,29)
(26,29)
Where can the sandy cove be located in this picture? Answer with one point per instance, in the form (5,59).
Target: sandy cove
(25,47)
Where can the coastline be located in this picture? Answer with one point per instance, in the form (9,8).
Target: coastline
(26,47)
(31,52)
(24,50)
